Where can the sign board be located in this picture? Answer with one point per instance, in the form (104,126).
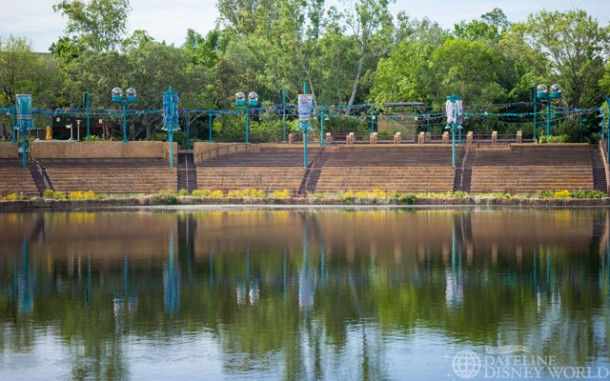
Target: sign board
(305,106)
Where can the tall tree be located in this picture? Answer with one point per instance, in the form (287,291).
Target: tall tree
(22,71)
(100,25)
(577,47)
(364,18)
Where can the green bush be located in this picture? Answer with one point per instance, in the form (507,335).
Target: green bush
(183,192)
(554,139)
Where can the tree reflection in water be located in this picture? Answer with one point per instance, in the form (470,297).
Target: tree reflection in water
(299,294)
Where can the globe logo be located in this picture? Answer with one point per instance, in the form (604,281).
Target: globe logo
(466,364)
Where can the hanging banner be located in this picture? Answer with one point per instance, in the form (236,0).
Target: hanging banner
(305,106)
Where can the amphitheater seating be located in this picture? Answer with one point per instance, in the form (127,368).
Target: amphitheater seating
(16,179)
(391,169)
(530,170)
(266,157)
(111,176)
(417,179)
(270,169)
(264,178)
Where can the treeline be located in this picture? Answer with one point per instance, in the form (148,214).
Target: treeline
(351,54)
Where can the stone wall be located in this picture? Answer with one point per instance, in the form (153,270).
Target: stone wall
(8,150)
(94,150)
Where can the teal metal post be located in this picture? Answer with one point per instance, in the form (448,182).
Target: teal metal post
(14,132)
(211,125)
(170,119)
(535,111)
(428,123)
(322,134)
(171,148)
(247,124)
(86,101)
(124,121)
(188,132)
(608,129)
(372,119)
(453,143)
(548,117)
(453,99)
(305,130)
(284,113)
(24,143)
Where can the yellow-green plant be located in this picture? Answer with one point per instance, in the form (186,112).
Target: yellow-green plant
(217,194)
(281,194)
(202,193)
(88,195)
(562,194)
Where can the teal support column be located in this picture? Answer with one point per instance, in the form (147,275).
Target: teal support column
(86,104)
(188,132)
(171,148)
(211,125)
(322,134)
(305,130)
(535,111)
(608,129)
(247,125)
(372,119)
(548,117)
(284,114)
(124,122)
(14,130)
(453,144)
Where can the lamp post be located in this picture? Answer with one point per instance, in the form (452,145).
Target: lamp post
(240,101)
(454,110)
(23,109)
(86,106)
(170,119)
(117,97)
(543,93)
(305,108)
(607,130)
(211,125)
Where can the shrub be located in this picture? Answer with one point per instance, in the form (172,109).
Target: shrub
(183,192)
(217,194)
(89,195)
(281,194)
(408,199)
(460,194)
(202,193)
(562,194)
(166,192)
(10,197)
(554,139)
(54,195)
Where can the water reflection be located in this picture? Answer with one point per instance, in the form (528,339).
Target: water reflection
(298,294)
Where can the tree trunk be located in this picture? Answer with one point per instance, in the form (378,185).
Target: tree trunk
(307,73)
(356,80)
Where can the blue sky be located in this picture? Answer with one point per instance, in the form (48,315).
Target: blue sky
(169,20)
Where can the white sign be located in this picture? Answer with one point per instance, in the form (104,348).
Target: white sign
(305,106)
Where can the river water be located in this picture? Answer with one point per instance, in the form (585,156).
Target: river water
(362,294)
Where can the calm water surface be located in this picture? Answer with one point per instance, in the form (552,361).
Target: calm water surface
(305,295)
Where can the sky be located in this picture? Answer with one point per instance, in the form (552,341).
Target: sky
(169,20)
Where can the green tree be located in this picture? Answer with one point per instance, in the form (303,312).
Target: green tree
(364,18)
(22,71)
(99,25)
(577,48)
